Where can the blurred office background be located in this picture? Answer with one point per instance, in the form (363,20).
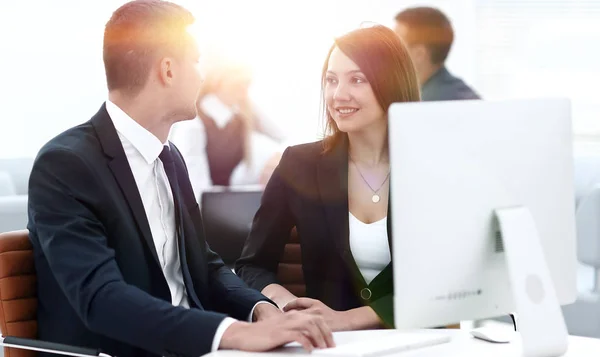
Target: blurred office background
(53,75)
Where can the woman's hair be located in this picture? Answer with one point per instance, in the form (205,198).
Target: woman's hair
(385,61)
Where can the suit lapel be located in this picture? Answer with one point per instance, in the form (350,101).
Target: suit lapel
(332,178)
(118,164)
(184,237)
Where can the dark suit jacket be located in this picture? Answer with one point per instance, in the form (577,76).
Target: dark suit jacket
(309,190)
(100,284)
(444,86)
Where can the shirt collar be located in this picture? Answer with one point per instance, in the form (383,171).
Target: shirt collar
(142,140)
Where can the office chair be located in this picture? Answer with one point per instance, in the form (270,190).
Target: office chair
(227,214)
(289,271)
(18,302)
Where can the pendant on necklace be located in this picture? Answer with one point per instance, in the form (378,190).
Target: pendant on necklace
(375,198)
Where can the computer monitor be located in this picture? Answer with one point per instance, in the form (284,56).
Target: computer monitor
(455,168)
(227,214)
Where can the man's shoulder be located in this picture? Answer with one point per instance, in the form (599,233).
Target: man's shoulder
(462,91)
(455,88)
(69,162)
(79,139)
(78,143)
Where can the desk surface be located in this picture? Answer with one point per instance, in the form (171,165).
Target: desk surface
(462,344)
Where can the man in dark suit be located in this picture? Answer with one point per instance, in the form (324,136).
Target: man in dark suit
(119,247)
(428,34)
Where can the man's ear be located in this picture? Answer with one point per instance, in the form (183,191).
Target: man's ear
(165,72)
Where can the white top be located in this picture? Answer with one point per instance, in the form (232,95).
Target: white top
(369,246)
(142,149)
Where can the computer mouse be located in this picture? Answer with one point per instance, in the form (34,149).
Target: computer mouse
(493,334)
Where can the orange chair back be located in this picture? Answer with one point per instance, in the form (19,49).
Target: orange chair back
(289,272)
(18,290)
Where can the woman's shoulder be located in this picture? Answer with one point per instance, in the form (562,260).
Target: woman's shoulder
(307,151)
(298,165)
(303,155)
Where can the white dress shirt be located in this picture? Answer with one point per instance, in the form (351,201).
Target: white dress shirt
(369,245)
(142,149)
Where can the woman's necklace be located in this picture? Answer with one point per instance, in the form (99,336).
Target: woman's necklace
(375,198)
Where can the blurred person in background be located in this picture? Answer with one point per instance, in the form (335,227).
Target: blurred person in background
(231,142)
(428,34)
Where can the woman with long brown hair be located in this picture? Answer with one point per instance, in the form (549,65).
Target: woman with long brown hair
(336,191)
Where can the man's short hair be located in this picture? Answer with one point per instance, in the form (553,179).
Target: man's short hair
(430,27)
(136,35)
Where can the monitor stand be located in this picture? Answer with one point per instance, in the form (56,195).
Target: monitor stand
(540,320)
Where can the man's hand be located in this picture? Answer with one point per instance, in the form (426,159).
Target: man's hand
(309,330)
(265,312)
(336,320)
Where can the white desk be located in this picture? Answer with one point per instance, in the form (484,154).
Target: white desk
(462,345)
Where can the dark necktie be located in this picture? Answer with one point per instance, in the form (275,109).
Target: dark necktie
(166,157)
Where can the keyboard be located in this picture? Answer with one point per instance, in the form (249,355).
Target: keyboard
(384,345)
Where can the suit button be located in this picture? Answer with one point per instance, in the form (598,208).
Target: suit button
(365,294)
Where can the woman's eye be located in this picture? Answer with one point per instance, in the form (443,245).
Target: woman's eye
(358,80)
(331,80)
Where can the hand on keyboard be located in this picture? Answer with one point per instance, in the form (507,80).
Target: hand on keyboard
(308,330)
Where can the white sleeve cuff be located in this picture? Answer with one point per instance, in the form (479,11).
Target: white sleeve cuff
(252,311)
(221,331)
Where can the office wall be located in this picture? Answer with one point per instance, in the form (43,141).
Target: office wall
(53,78)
